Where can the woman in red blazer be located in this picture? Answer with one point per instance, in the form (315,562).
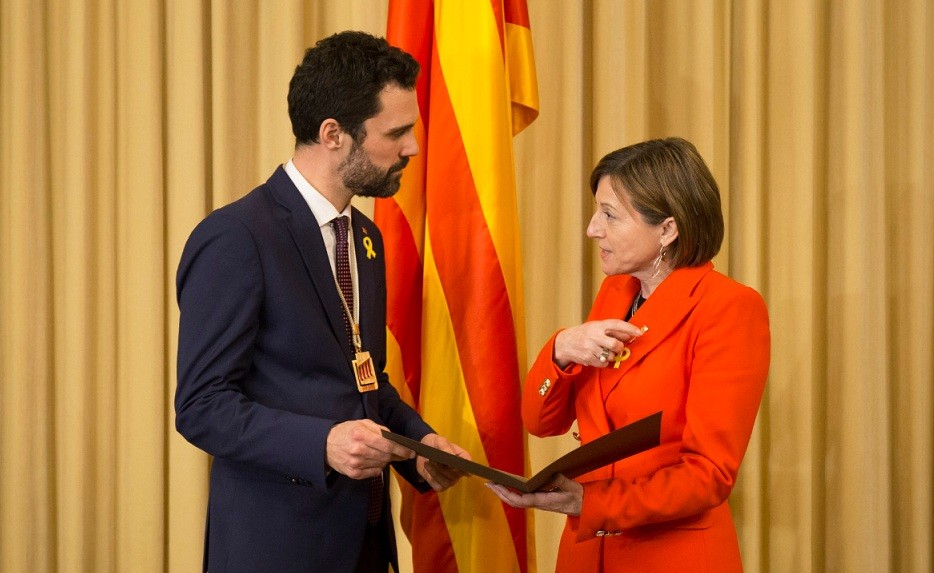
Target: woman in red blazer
(666,333)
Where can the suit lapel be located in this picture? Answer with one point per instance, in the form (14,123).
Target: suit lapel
(366,287)
(664,311)
(366,280)
(305,233)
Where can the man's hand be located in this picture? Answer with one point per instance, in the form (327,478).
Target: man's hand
(358,449)
(439,476)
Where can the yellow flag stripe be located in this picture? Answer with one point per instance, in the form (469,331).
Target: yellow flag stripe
(523,82)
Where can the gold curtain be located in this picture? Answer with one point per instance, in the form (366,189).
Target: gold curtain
(123,123)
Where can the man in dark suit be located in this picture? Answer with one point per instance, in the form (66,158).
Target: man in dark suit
(282,334)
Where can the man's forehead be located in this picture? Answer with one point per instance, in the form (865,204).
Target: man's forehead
(399,107)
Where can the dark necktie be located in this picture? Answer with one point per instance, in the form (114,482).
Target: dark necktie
(344,278)
(345,282)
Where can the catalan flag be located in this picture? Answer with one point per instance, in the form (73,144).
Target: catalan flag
(454,281)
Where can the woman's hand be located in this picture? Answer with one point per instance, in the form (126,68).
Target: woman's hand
(594,343)
(561,495)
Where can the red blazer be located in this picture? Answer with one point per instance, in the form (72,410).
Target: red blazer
(703,362)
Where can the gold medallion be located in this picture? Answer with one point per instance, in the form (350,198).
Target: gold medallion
(364,372)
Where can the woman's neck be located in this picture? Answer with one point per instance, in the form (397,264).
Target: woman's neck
(649,284)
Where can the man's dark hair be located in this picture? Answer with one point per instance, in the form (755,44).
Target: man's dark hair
(341,78)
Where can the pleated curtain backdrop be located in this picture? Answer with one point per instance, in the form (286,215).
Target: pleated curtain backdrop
(123,123)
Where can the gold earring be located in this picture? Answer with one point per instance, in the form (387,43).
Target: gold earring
(657,265)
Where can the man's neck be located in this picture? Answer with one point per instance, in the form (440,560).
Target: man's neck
(321,174)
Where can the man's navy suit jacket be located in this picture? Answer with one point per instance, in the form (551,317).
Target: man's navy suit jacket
(264,373)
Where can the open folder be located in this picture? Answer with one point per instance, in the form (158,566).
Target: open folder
(618,444)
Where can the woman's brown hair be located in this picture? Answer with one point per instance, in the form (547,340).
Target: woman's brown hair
(668,178)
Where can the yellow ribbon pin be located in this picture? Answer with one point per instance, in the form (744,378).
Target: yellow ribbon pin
(368,245)
(621,357)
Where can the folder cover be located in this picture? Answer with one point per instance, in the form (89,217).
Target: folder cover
(627,441)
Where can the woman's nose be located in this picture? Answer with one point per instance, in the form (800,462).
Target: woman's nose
(593,229)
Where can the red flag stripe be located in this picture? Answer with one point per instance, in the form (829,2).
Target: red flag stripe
(403,291)
(516,12)
(435,551)
(498,16)
(411,27)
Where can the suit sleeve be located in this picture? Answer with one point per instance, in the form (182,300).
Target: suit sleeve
(220,296)
(402,419)
(548,394)
(727,377)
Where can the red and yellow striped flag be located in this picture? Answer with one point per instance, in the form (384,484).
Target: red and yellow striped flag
(454,281)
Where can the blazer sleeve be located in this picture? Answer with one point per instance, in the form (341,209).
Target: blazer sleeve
(548,394)
(220,296)
(402,419)
(727,374)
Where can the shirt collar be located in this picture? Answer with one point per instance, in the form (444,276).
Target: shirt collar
(321,208)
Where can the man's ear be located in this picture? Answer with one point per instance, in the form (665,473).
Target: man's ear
(669,231)
(330,134)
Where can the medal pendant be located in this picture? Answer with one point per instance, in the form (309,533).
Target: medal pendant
(364,372)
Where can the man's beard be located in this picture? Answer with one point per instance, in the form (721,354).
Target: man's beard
(362,177)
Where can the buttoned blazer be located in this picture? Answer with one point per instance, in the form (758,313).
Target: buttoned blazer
(264,373)
(703,363)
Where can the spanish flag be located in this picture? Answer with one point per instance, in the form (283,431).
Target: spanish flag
(454,282)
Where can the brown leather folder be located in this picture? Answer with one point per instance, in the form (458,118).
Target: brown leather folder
(627,441)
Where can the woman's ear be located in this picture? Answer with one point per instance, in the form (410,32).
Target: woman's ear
(669,231)
(330,134)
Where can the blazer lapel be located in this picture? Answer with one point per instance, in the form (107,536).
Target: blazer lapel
(662,313)
(366,280)
(369,320)
(305,233)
